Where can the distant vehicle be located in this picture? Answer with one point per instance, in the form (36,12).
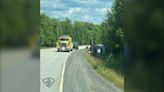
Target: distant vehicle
(64,43)
(98,49)
(76,45)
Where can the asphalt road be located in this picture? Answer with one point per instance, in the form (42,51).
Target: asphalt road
(81,77)
(52,64)
(71,72)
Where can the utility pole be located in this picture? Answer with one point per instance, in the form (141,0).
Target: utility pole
(92,39)
(57,34)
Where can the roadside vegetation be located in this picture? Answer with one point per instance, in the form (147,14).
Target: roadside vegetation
(108,73)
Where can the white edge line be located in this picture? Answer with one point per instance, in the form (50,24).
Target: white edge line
(62,75)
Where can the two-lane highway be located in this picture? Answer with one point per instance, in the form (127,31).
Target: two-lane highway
(52,66)
(72,73)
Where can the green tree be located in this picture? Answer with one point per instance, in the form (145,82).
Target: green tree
(112,27)
(113,36)
(47,35)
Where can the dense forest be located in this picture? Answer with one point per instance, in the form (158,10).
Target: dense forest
(82,32)
(113,36)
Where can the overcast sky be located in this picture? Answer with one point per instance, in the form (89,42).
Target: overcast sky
(83,10)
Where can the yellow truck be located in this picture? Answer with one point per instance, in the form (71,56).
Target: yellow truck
(64,43)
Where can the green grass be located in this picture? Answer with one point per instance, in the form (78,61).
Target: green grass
(108,73)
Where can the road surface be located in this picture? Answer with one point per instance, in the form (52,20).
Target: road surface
(52,64)
(78,74)
(81,77)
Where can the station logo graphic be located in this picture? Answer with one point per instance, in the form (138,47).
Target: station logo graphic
(48,81)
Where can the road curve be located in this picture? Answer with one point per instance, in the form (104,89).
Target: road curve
(81,77)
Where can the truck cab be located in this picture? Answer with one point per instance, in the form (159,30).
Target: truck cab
(64,43)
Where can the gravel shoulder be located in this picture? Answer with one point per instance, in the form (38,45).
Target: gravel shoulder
(81,77)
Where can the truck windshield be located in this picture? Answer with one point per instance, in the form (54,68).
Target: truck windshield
(63,39)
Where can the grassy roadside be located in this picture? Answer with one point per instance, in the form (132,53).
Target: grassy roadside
(106,72)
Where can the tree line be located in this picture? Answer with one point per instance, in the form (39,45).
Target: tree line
(81,32)
(113,36)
